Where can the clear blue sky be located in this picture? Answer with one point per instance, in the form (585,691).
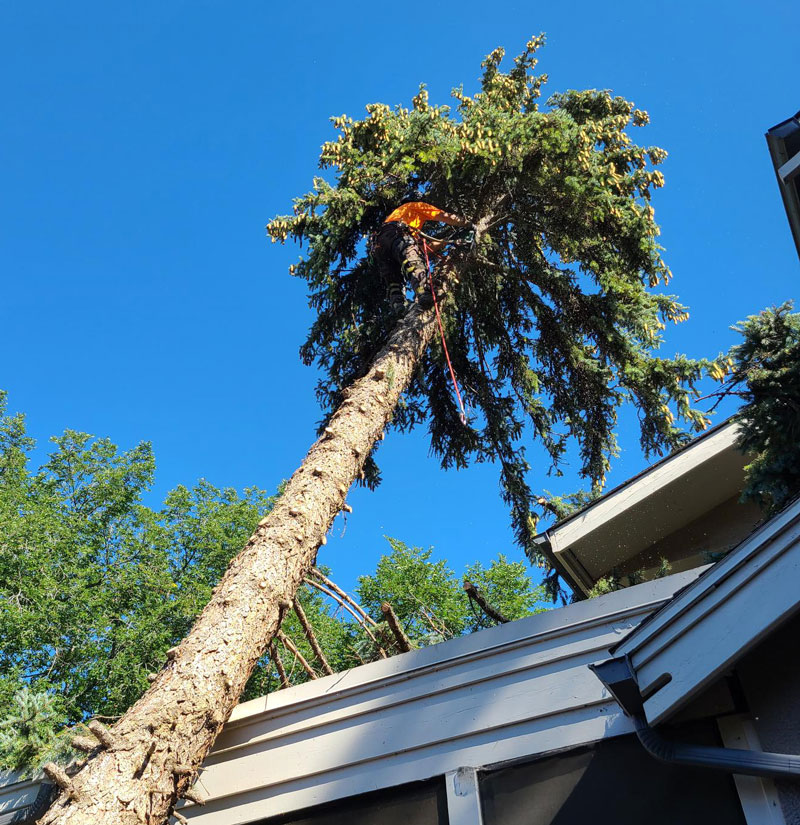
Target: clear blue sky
(145,145)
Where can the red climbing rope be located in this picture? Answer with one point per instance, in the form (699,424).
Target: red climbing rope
(441,330)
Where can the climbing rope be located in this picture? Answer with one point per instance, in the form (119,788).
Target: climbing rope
(463,415)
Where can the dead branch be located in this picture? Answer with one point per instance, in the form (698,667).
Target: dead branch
(332,595)
(276,660)
(85,744)
(290,646)
(402,640)
(475,595)
(312,639)
(195,795)
(436,625)
(336,589)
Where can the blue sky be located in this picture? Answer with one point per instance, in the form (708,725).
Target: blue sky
(144,147)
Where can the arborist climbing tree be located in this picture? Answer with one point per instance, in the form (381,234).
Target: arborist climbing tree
(398,249)
(551,318)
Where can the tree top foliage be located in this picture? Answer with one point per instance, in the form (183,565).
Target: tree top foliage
(553,321)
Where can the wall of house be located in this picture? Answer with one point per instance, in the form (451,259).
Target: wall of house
(770,677)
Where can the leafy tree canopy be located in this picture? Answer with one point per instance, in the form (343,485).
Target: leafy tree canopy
(94,585)
(553,321)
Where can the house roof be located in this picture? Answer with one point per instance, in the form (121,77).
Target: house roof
(23,801)
(706,628)
(658,501)
(509,692)
(783,141)
(505,693)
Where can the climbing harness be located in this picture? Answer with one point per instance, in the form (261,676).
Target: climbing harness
(463,415)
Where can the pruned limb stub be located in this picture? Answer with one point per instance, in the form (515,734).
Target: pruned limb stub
(194,795)
(85,744)
(60,778)
(103,734)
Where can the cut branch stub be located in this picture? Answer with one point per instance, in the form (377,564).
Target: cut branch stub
(60,778)
(194,795)
(103,734)
(85,744)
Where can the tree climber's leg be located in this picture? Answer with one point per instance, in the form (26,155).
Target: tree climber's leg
(406,251)
(390,270)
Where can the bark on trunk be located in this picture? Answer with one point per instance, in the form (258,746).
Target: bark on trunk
(158,746)
(160,743)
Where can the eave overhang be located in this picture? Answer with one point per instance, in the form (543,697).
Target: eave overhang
(645,509)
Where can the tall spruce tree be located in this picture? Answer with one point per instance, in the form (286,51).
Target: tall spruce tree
(550,321)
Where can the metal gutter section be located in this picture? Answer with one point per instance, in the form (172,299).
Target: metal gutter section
(619,679)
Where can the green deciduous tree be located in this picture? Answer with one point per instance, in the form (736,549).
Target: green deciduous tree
(94,585)
(430,600)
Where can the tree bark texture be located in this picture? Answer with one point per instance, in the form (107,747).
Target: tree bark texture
(159,744)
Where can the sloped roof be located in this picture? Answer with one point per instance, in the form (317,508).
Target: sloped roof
(714,621)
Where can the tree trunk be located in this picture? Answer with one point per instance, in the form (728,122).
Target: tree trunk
(160,743)
(154,752)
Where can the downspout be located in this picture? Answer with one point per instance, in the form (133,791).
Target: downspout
(620,680)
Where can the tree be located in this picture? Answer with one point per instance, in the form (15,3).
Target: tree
(429,598)
(550,320)
(766,376)
(94,585)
